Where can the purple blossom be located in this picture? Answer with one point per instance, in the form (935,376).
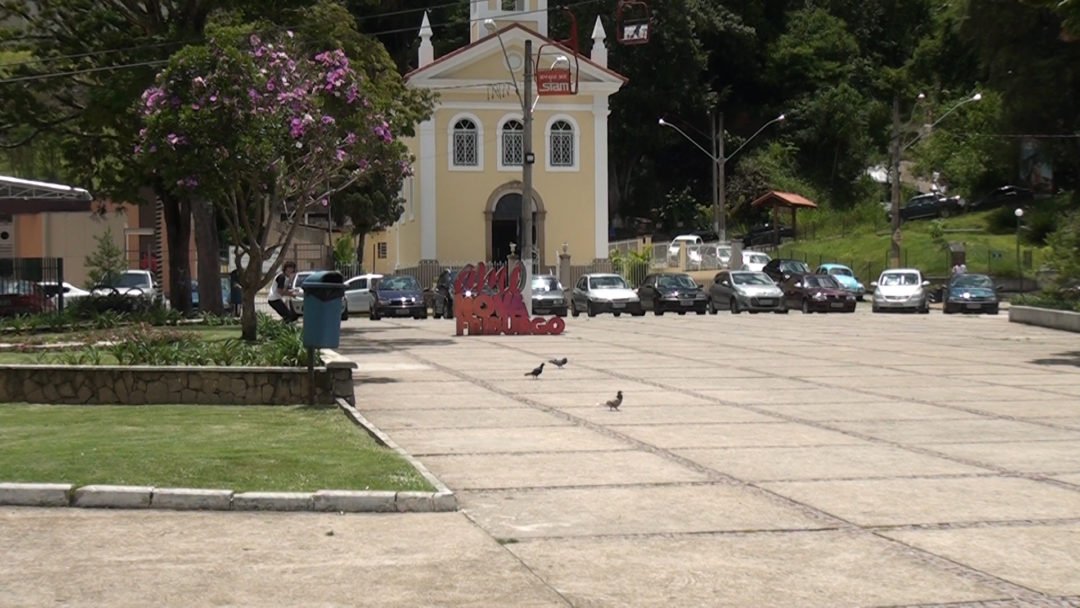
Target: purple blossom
(351,94)
(350,138)
(340,155)
(327,119)
(199,81)
(187,182)
(382,131)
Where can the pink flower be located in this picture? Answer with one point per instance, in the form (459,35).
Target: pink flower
(340,155)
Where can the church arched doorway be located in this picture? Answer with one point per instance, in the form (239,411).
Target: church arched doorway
(504,225)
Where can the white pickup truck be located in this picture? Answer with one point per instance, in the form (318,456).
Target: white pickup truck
(133,283)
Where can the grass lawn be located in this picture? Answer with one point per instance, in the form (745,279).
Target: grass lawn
(204,332)
(244,448)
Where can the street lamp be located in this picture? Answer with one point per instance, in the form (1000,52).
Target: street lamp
(897,148)
(527,156)
(1019,268)
(719,191)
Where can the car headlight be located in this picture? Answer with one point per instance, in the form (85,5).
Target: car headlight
(878,295)
(818,296)
(850,298)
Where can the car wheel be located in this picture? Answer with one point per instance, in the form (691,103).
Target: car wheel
(733,305)
(711,307)
(805,307)
(573,309)
(947,309)
(345,312)
(925,310)
(589,309)
(617,314)
(657,311)
(875,308)
(374,315)
(992,311)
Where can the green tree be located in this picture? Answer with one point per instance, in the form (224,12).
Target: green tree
(1064,256)
(106,261)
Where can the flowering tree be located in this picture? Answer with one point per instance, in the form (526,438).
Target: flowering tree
(265,133)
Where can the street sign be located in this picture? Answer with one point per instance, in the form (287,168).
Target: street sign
(554,82)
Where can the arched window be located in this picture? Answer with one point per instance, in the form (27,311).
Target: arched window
(466,143)
(513,143)
(561,144)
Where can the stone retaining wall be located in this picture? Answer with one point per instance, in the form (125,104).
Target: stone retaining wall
(1045,317)
(136,385)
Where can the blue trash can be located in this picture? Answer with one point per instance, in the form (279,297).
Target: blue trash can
(323,292)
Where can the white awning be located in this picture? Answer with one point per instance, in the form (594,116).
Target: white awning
(13,188)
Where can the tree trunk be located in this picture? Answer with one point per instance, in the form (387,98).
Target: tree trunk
(178,236)
(248,320)
(206,240)
(360,251)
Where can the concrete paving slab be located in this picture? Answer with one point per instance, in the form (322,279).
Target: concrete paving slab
(808,569)
(669,414)
(170,558)
(550,382)
(1045,558)
(885,410)
(421,389)
(1030,379)
(476,418)
(478,471)
(964,394)
(735,435)
(1073,478)
(763,395)
(420,442)
(929,501)
(1022,456)
(1072,422)
(1035,408)
(593,399)
(825,462)
(669,509)
(957,431)
(478,398)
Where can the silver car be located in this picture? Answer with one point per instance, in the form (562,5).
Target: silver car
(358,294)
(599,292)
(901,289)
(739,290)
(548,296)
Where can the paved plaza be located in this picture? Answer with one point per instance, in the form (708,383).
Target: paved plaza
(757,460)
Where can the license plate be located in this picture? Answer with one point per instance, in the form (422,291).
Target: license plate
(766,302)
(837,304)
(686,302)
(974,306)
(618,304)
(401,312)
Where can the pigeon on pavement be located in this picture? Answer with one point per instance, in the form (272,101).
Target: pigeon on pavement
(613,404)
(535,373)
(558,362)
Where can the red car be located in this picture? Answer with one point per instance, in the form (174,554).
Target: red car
(817,293)
(21,298)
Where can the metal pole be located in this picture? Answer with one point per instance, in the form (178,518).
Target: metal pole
(526,180)
(715,177)
(311,375)
(1019,266)
(894,169)
(721,218)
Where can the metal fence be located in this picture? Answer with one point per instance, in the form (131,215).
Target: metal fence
(18,276)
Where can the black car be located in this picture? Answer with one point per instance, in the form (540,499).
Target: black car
(929,206)
(548,296)
(442,305)
(398,296)
(970,293)
(672,292)
(766,234)
(1005,196)
(780,269)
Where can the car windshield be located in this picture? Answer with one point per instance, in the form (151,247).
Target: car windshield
(840,271)
(795,267)
(758,258)
(751,278)
(132,280)
(973,280)
(820,280)
(893,279)
(401,283)
(545,284)
(677,281)
(607,282)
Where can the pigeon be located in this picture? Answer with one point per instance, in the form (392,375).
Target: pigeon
(535,373)
(613,404)
(558,362)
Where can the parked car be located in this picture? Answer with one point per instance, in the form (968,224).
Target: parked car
(672,292)
(846,277)
(930,205)
(595,293)
(19,297)
(766,234)
(71,292)
(398,296)
(548,296)
(692,242)
(971,293)
(358,295)
(754,260)
(901,289)
(780,269)
(296,302)
(1005,196)
(739,290)
(817,293)
(442,304)
(132,283)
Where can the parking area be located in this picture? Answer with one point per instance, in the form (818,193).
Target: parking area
(756,460)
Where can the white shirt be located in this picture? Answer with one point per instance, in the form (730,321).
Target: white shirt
(277,287)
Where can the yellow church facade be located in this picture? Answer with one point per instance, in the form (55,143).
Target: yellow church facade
(463,199)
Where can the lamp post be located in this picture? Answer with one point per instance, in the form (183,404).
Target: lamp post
(719,191)
(896,150)
(527,157)
(1019,268)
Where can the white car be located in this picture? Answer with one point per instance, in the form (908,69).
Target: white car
(692,242)
(901,289)
(70,291)
(296,302)
(601,292)
(358,296)
(133,283)
(754,260)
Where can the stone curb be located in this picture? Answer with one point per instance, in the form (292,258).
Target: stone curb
(36,494)
(442,499)
(119,497)
(273,501)
(191,499)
